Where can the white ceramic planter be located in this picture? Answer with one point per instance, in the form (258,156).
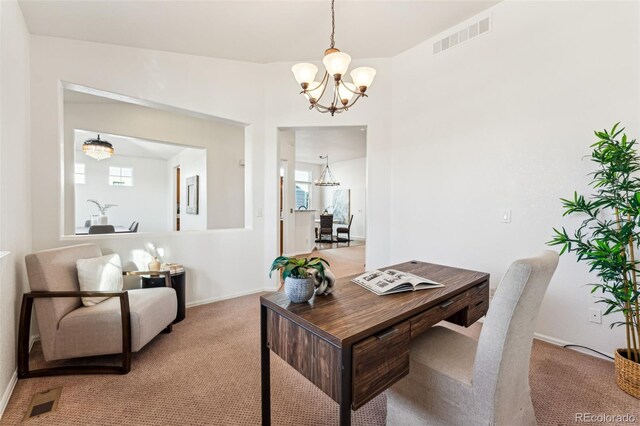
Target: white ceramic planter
(299,290)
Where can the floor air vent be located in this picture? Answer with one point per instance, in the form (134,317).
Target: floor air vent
(43,403)
(467,33)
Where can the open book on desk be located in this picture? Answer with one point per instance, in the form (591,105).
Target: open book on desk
(393,281)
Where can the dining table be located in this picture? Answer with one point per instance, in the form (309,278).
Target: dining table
(84,230)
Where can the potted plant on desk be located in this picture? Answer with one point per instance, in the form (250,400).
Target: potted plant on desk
(298,285)
(607,240)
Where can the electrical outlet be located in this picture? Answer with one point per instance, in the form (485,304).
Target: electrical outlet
(595,315)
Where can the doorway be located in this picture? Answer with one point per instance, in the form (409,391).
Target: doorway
(303,202)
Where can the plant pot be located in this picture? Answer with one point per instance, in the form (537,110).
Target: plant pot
(627,374)
(299,290)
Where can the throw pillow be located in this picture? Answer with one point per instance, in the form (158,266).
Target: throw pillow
(99,274)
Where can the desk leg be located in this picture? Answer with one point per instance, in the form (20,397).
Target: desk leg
(265,369)
(345,387)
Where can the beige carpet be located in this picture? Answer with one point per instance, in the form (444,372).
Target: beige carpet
(207,372)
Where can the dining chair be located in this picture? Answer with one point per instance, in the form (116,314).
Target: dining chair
(345,230)
(134,227)
(326,226)
(87,223)
(102,229)
(455,379)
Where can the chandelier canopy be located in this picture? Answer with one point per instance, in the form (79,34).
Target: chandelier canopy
(97,149)
(326,178)
(342,94)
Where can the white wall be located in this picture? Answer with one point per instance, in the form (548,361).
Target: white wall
(192,162)
(219,88)
(15,175)
(145,202)
(352,175)
(304,232)
(502,122)
(223,189)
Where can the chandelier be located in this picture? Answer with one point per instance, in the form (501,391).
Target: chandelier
(342,94)
(326,178)
(97,149)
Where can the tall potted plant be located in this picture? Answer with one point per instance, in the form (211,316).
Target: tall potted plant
(607,240)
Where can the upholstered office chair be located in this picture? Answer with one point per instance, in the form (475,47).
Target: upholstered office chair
(134,227)
(122,324)
(455,380)
(102,229)
(326,226)
(345,230)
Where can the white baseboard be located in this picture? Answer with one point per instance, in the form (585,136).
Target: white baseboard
(550,339)
(228,296)
(6,396)
(7,392)
(559,342)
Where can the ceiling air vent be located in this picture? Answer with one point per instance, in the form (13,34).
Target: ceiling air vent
(467,33)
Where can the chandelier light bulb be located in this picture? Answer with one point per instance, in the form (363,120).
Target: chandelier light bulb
(346,93)
(363,77)
(336,63)
(315,90)
(304,73)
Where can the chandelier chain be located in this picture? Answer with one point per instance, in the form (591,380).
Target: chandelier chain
(333,25)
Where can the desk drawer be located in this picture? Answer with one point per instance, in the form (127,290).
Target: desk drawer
(478,302)
(379,362)
(427,319)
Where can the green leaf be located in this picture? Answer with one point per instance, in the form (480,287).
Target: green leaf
(607,220)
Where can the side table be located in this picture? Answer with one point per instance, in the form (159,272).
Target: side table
(177,282)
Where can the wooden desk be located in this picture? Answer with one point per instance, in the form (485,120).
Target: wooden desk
(353,344)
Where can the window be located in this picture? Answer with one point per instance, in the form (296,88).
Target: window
(303,195)
(303,189)
(303,176)
(120,176)
(79,171)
